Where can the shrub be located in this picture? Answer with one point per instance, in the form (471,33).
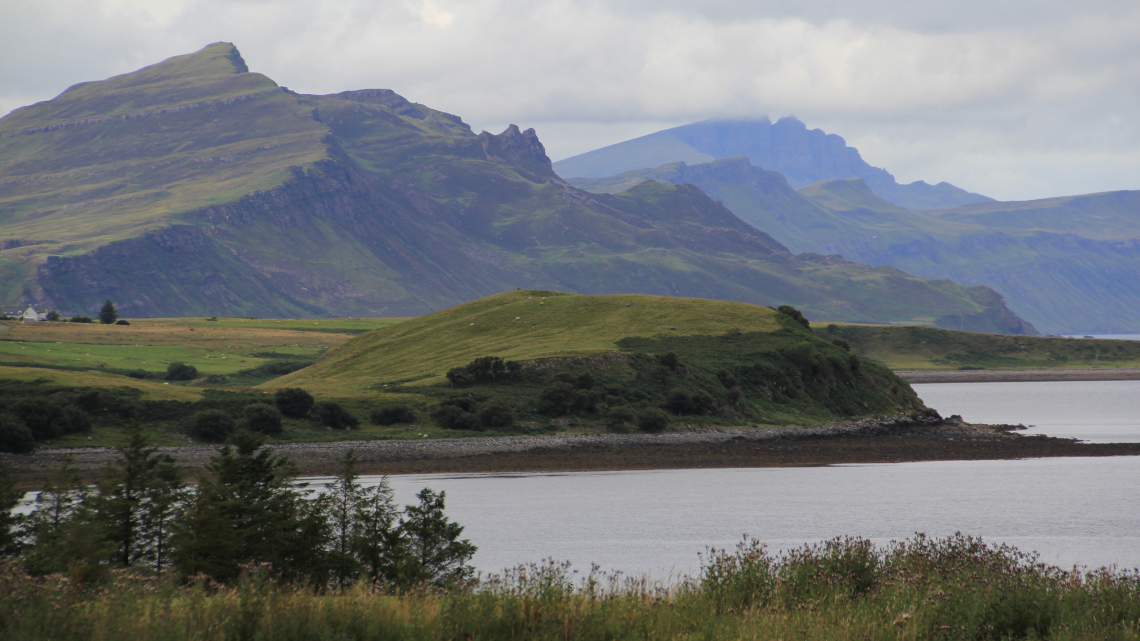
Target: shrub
(393,414)
(618,417)
(453,417)
(333,415)
(79,318)
(41,416)
(669,359)
(557,398)
(726,378)
(72,420)
(681,402)
(53,315)
(293,402)
(121,322)
(795,314)
(213,426)
(842,344)
(652,420)
(483,369)
(138,373)
(496,413)
(264,418)
(181,372)
(15,437)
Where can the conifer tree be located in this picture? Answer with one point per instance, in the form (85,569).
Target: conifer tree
(137,495)
(62,533)
(108,315)
(434,553)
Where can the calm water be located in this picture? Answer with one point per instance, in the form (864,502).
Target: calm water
(1073,511)
(1095,411)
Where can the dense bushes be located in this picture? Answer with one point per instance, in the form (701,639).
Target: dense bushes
(332,415)
(392,414)
(212,426)
(264,418)
(15,437)
(482,370)
(181,372)
(293,402)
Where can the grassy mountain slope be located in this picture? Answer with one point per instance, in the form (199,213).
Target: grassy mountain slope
(749,363)
(786,146)
(194,187)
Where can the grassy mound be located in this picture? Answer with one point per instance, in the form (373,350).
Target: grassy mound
(625,361)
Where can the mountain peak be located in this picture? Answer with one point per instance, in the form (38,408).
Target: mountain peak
(522,148)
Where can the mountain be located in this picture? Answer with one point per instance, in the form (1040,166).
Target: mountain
(803,156)
(194,186)
(1068,265)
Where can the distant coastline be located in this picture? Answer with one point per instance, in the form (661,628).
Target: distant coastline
(1019,375)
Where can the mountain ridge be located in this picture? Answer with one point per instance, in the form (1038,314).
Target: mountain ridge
(787,146)
(364,203)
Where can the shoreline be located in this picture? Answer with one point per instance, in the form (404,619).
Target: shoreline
(916,377)
(911,438)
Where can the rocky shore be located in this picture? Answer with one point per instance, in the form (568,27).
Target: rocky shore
(915,437)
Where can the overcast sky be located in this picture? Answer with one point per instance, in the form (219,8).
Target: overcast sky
(1015,99)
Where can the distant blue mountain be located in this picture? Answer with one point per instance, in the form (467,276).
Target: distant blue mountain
(803,156)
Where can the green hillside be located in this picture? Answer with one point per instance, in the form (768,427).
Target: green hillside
(747,363)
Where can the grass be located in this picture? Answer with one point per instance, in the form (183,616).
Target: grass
(952,588)
(516,325)
(930,348)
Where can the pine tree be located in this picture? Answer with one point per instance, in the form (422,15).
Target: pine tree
(62,533)
(137,495)
(249,509)
(434,553)
(108,315)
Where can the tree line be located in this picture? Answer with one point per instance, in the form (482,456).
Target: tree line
(248,509)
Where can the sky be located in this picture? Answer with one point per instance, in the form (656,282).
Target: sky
(1015,99)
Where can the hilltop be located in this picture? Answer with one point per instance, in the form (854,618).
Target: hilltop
(196,187)
(787,146)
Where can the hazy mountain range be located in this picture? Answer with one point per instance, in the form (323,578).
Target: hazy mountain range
(1068,264)
(803,156)
(196,187)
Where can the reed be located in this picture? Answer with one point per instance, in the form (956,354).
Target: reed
(956,587)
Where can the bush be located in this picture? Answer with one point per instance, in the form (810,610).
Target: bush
(181,372)
(483,369)
(79,318)
(453,417)
(139,374)
(842,344)
(618,417)
(41,416)
(264,418)
(496,413)
(393,414)
(73,420)
(121,322)
(53,315)
(333,415)
(652,420)
(213,426)
(681,402)
(15,437)
(669,359)
(293,402)
(795,314)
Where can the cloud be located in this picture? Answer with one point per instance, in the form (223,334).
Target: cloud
(1011,98)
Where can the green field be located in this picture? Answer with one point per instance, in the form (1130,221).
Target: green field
(930,348)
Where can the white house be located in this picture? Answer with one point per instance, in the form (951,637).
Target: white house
(30,315)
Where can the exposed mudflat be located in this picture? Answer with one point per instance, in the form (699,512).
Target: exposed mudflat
(904,438)
(1019,375)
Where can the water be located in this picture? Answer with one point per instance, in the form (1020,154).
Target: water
(1072,510)
(1094,411)
(1118,337)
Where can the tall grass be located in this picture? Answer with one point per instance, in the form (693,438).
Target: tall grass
(950,588)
